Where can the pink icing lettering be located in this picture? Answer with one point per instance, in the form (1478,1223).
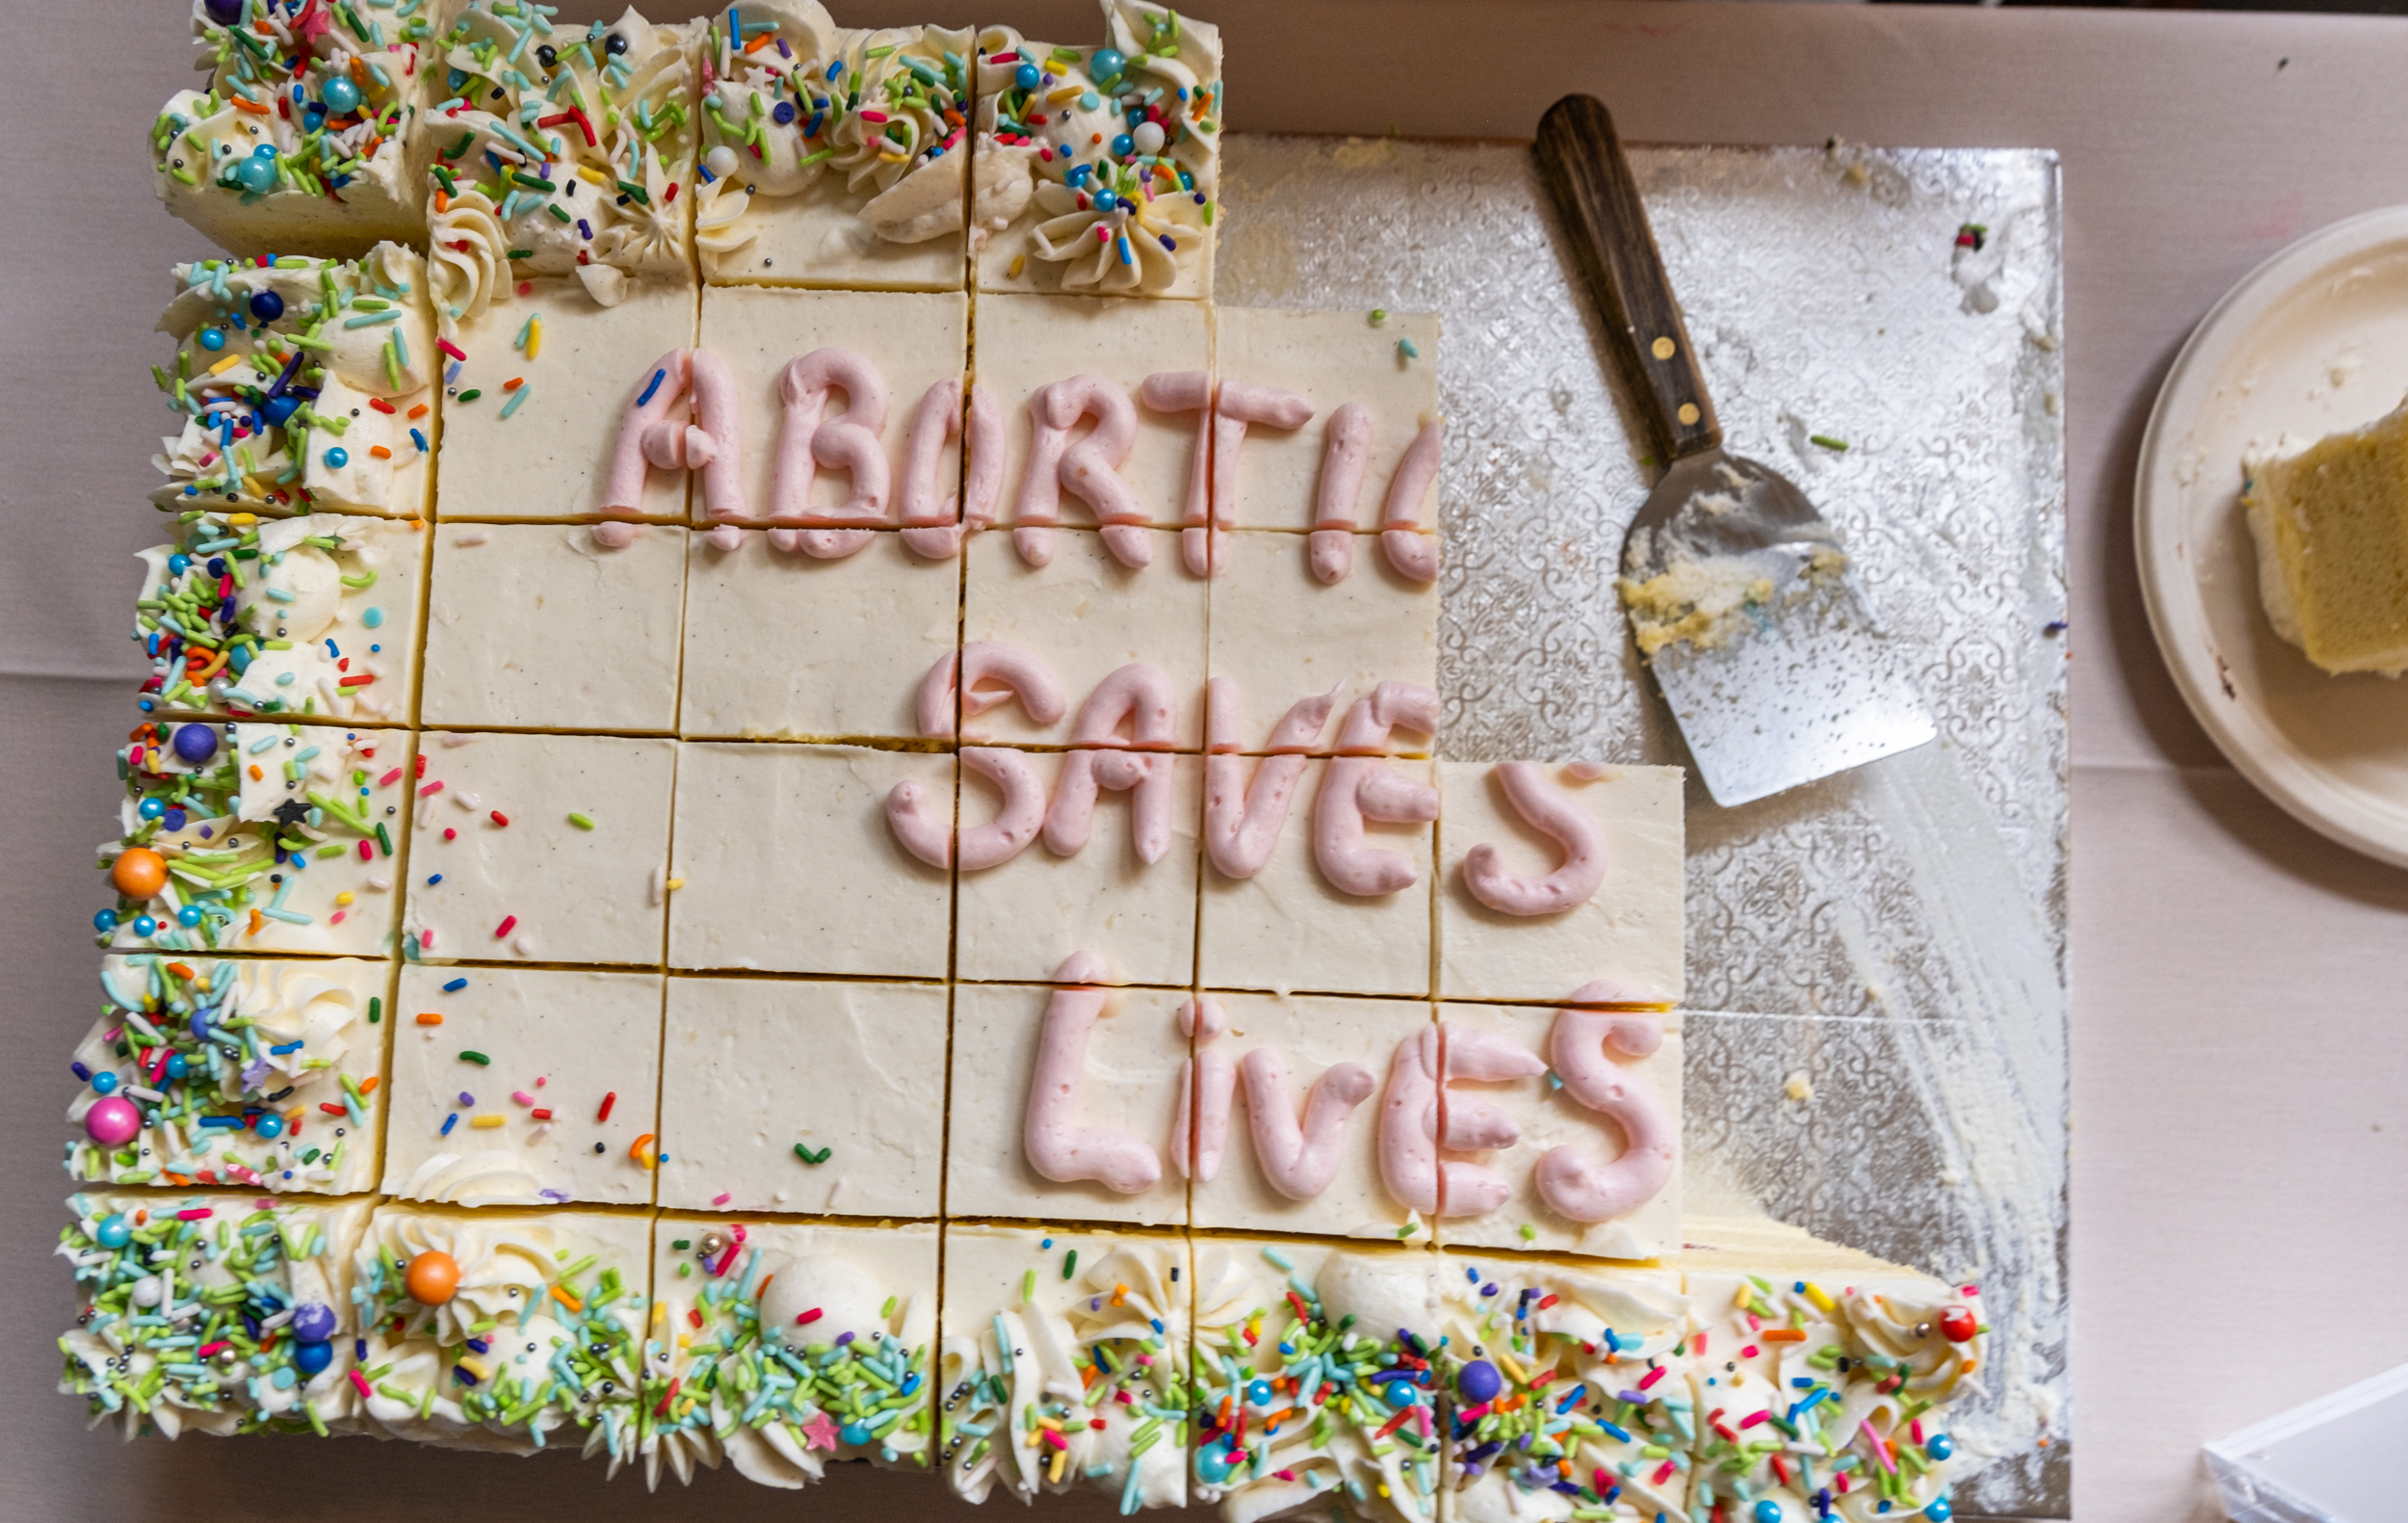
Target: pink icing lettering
(997,672)
(1017,823)
(1568,1181)
(1413,553)
(1239,405)
(1243,820)
(651,433)
(612,535)
(1300,1161)
(1056,1146)
(1147,778)
(1138,695)
(1206,1083)
(912,815)
(1358,788)
(1346,449)
(1549,809)
(1473,1124)
(1190,391)
(1087,468)
(1408,1123)
(848,442)
(930,528)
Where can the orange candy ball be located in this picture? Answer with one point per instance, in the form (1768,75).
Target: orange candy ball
(432,1278)
(139,873)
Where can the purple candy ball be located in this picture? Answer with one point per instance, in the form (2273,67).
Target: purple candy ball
(1480,1382)
(196,742)
(112,1122)
(313,1322)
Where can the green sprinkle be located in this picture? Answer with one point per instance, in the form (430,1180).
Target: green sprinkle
(1380,315)
(1070,1264)
(581,822)
(810,1157)
(471,394)
(477,1058)
(1827,442)
(1408,1229)
(376,1008)
(1529,1233)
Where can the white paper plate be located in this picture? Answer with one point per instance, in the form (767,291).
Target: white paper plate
(2313,341)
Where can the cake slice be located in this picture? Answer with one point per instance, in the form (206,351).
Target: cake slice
(504,1331)
(2331,527)
(302,384)
(259,1074)
(308,138)
(1822,1376)
(1097,169)
(1064,1365)
(217,1313)
(785,1348)
(252,837)
(314,616)
(833,156)
(1319,1374)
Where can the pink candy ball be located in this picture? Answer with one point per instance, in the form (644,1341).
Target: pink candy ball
(113,1121)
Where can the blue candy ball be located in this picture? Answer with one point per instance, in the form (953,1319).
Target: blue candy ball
(1939,1511)
(1124,146)
(216,565)
(1027,76)
(200,1025)
(113,1231)
(104,1082)
(188,916)
(144,925)
(854,1433)
(151,808)
(266,305)
(313,1321)
(105,920)
(1940,1445)
(342,96)
(313,1356)
(178,1066)
(337,457)
(212,338)
(783,113)
(256,174)
(1767,1511)
(1480,1382)
(275,409)
(1106,65)
(269,1125)
(178,563)
(1106,201)
(196,742)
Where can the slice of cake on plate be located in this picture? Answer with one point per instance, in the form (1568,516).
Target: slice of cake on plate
(2331,527)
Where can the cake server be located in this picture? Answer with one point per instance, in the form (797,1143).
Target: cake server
(1738,591)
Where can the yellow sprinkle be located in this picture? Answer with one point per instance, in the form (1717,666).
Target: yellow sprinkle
(1054,1476)
(1053,1423)
(1521,1377)
(224,365)
(676,883)
(488,1121)
(1746,1294)
(535,336)
(475,1367)
(343,898)
(1019,262)
(242,520)
(592,173)
(1066,93)
(1820,1296)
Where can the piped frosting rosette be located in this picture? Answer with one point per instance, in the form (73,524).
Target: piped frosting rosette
(579,142)
(1568,1395)
(1107,156)
(213,1313)
(301,383)
(1317,1384)
(1829,1403)
(309,108)
(240,615)
(250,824)
(241,1073)
(1093,1397)
(500,1332)
(784,1363)
(791,102)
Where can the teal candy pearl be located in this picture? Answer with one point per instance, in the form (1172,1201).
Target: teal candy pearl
(258,171)
(212,339)
(1940,1445)
(1106,201)
(1106,65)
(1940,1512)
(342,96)
(114,1232)
(337,457)
(1767,1511)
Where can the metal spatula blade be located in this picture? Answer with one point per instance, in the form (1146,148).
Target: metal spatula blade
(1757,636)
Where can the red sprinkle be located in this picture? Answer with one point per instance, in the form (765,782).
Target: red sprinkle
(357,680)
(503,929)
(501,819)
(194,1213)
(608,1101)
(541,1113)
(451,349)
(388,779)
(806,1319)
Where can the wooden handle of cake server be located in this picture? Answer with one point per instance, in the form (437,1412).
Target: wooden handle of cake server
(1581,161)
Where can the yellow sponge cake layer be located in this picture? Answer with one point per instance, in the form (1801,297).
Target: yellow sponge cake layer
(2331,524)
